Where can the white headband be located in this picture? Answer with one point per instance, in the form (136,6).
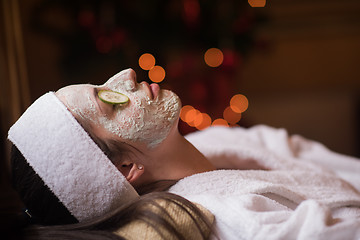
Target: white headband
(69,162)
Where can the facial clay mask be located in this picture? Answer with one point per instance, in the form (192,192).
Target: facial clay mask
(142,119)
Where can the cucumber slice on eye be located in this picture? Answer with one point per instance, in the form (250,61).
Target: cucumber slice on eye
(112,97)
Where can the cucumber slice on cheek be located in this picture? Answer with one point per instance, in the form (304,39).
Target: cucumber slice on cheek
(112,97)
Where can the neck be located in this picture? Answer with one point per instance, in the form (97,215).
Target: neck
(180,160)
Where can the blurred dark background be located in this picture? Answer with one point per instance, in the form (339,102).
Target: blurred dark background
(297,62)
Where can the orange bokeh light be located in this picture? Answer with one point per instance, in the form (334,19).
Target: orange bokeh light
(220,122)
(257,3)
(230,116)
(198,119)
(214,57)
(157,74)
(206,121)
(184,110)
(192,116)
(147,61)
(239,103)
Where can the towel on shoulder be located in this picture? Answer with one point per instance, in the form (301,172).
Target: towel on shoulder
(308,192)
(274,149)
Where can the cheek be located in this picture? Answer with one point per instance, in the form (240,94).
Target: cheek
(134,120)
(144,121)
(128,122)
(156,120)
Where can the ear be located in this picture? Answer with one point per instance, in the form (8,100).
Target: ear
(131,171)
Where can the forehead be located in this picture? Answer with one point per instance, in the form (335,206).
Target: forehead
(74,95)
(78,100)
(71,89)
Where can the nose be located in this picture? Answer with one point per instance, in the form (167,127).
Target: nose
(128,73)
(126,78)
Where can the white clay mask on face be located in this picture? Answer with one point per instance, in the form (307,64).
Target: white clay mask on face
(141,119)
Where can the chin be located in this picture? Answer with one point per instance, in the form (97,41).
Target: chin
(174,103)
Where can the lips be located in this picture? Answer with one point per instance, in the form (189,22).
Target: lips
(151,90)
(155,89)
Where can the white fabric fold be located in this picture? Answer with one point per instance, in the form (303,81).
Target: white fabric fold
(69,162)
(247,204)
(302,195)
(274,148)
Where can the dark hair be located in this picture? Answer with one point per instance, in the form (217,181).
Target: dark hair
(46,209)
(42,204)
(104,226)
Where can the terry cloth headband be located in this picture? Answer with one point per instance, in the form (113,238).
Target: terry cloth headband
(69,162)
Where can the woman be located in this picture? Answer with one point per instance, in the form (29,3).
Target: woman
(144,129)
(130,138)
(141,139)
(63,176)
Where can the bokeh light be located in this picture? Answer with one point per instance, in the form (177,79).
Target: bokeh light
(220,122)
(192,116)
(214,57)
(230,116)
(257,3)
(184,110)
(205,122)
(147,61)
(198,119)
(157,74)
(239,103)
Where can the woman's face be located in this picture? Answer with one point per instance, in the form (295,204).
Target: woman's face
(146,119)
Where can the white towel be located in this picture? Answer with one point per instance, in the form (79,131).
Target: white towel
(68,160)
(274,149)
(301,196)
(278,204)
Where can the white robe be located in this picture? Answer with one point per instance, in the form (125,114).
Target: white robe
(303,195)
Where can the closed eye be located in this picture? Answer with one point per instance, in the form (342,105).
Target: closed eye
(105,108)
